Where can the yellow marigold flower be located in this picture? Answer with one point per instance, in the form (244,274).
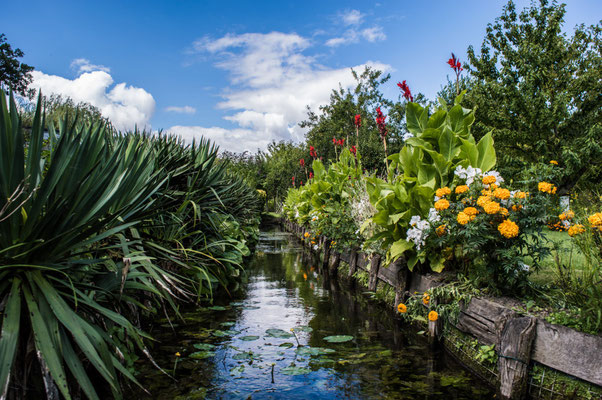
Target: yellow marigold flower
(508,229)
(487,192)
(595,219)
(546,187)
(471,211)
(553,162)
(570,214)
(502,194)
(441,205)
(520,195)
(442,192)
(178,354)
(433,316)
(493,186)
(426,299)
(306,234)
(440,230)
(313,242)
(483,200)
(488,180)
(516,207)
(402,308)
(461,189)
(504,211)
(492,207)
(463,218)
(576,229)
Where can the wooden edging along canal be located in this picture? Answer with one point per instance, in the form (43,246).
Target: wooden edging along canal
(518,339)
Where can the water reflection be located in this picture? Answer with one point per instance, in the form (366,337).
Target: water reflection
(244,348)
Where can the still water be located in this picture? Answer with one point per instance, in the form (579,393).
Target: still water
(342,345)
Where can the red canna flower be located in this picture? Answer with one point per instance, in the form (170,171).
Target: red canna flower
(455,64)
(353,150)
(293,181)
(301,183)
(358,120)
(312,152)
(311,175)
(405,89)
(341,142)
(380,122)
(302,162)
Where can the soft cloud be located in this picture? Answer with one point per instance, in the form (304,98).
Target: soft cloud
(125,106)
(181,110)
(272,82)
(354,36)
(352,17)
(84,65)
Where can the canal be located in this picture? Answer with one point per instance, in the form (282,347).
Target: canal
(290,333)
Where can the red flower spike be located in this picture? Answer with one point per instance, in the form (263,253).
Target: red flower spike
(380,122)
(312,152)
(405,89)
(353,150)
(455,64)
(311,175)
(334,141)
(358,120)
(302,162)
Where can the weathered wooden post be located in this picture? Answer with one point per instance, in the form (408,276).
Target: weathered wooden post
(374,266)
(333,269)
(514,356)
(352,263)
(326,259)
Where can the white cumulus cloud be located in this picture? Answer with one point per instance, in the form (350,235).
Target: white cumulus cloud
(84,65)
(181,110)
(272,82)
(125,106)
(352,17)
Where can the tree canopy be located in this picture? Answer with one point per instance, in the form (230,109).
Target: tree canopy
(540,92)
(14,75)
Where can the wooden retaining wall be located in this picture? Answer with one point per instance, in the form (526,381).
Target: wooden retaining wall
(518,339)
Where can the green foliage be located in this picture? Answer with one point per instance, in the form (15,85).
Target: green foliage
(539,91)
(14,75)
(92,226)
(441,142)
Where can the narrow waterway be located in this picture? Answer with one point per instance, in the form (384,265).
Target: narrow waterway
(291,334)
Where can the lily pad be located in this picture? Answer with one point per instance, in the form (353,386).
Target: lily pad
(313,351)
(247,355)
(303,329)
(216,308)
(201,355)
(249,338)
(228,324)
(286,345)
(237,370)
(290,370)
(278,333)
(204,346)
(338,338)
(219,333)
(236,304)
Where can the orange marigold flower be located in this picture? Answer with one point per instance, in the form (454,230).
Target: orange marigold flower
(487,192)
(492,207)
(488,180)
(462,189)
(504,211)
(306,234)
(402,308)
(426,298)
(517,207)
(508,229)
(483,200)
(441,205)
(595,219)
(502,194)
(433,316)
(546,187)
(471,211)
(553,162)
(493,186)
(440,230)
(463,218)
(520,195)
(576,229)
(442,192)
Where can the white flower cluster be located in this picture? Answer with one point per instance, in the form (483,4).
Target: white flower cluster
(314,215)
(418,231)
(469,174)
(362,209)
(434,216)
(406,136)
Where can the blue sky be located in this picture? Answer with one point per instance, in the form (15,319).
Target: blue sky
(241,72)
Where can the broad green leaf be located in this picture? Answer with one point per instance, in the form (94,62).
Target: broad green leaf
(487,158)
(338,338)
(400,247)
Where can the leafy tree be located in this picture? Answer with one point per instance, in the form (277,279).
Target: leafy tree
(336,120)
(540,92)
(58,107)
(282,163)
(14,74)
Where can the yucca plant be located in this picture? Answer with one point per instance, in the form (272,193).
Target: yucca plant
(60,200)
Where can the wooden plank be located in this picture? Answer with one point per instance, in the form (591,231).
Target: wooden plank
(484,319)
(333,268)
(352,263)
(374,267)
(514,357)
(569,351)
(326,259)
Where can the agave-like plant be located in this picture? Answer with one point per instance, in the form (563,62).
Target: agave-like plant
(61,198)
